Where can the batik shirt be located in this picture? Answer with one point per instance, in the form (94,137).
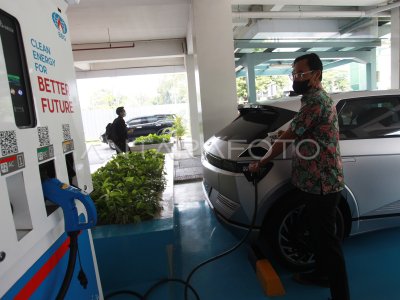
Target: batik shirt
(317,164)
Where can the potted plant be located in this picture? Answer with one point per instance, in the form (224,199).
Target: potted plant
(132,194)
(128,188)
(178,129)
(153,141)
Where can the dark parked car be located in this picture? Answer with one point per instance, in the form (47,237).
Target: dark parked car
(141,126)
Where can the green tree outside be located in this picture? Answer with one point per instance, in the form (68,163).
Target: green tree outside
(172,90)
(263,83)
(336,80)
(333,80)
(241,89)
(106,99)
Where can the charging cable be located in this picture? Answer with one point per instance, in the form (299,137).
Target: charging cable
(240,243)
(252,177)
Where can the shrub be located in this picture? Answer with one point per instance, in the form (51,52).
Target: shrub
(128,188)
(152,138)
(178,129)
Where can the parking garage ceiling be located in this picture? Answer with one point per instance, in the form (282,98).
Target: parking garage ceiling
(141,34)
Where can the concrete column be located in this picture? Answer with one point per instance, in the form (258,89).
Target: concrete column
(395,48)
(371,71)
(193,109)
(251,80)
(358,76)
(215,67)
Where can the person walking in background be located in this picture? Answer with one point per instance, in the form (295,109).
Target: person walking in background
(317,173)
(120,129)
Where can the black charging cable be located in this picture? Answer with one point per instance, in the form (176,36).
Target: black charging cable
(73,253)
(73,250)
(82,276)
(254,178)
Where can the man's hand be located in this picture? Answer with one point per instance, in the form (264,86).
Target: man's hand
(274,151)
(254,167)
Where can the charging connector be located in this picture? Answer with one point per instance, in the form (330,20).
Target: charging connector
(65,195)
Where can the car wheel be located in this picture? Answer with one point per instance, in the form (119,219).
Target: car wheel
(289,237)
(111,144)
(103,138)
(164,131)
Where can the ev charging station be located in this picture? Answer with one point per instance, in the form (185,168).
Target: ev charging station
(44,171)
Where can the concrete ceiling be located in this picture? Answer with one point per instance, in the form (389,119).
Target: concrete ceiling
(99,21)
(104,32)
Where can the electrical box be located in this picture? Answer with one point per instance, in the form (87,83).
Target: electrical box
(41,136)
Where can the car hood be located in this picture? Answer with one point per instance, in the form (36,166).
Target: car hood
(230,150)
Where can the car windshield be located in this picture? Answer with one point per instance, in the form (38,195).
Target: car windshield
(255,123)
(150,119)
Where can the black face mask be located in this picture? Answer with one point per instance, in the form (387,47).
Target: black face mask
(301,87)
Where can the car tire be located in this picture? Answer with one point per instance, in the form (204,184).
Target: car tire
(103,138)
(289,239)
(166,130)
(111,144)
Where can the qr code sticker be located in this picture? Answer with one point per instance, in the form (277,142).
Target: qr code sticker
(8,142)
(44,138)
(66,132)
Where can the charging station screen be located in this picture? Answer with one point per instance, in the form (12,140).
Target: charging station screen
(18,80)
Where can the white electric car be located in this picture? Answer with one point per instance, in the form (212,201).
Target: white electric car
(370,146)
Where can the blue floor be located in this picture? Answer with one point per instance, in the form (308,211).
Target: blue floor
(140,256)
(373,262)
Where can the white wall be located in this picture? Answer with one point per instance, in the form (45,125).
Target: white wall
(95,121)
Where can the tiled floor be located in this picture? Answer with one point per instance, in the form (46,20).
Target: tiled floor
(373,260)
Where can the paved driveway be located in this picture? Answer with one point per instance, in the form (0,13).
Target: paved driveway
(98,155)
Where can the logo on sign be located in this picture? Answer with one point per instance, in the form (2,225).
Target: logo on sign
(60,25)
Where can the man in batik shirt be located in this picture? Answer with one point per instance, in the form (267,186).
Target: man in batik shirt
(317,173)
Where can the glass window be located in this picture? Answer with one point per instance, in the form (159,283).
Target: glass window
(135,121)
(255,123)
(367,118)
(151,119)
(17,71)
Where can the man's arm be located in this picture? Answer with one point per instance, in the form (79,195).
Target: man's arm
(274,151)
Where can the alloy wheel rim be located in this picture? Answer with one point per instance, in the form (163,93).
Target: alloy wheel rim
(294,239)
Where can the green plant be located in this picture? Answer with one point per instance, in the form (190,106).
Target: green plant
(128,188)
(178,129)
(153,138)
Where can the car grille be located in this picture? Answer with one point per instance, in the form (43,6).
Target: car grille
(224,164)
(226,205)
(227,202)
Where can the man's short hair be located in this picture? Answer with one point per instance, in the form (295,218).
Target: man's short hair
(119,110)
(313,61)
